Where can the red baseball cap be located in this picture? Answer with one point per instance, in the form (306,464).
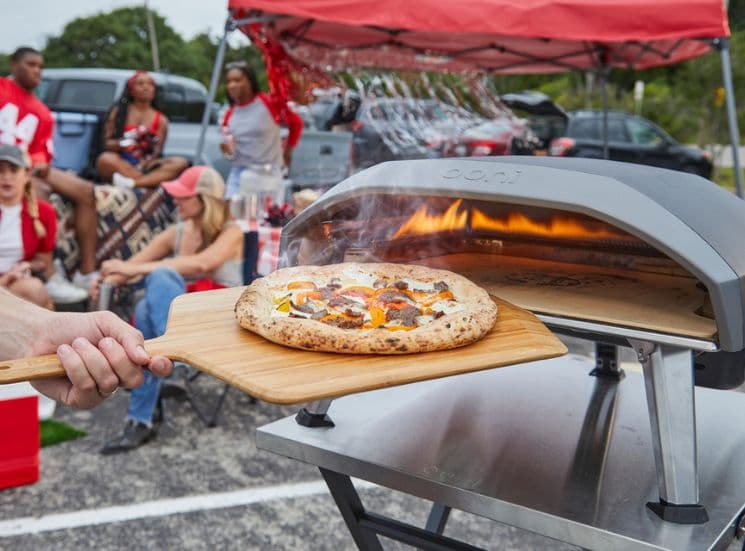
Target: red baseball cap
(195,180)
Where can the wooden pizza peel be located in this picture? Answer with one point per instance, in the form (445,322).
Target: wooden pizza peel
(203,332)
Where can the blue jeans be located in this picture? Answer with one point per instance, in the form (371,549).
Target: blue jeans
(151,315)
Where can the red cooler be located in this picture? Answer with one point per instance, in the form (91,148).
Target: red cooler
(19,441)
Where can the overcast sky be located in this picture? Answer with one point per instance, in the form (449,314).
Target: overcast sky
(29,22)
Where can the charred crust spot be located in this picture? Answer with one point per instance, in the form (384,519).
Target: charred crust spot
(402,348)
(391,340)
(447,325)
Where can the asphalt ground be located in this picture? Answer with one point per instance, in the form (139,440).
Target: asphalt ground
(203,488)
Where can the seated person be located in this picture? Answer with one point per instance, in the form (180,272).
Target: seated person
(204,244)
(29,124)
(81,193)
(27,230)
(134,136)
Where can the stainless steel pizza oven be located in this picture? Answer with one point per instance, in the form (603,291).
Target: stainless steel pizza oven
(621,254)
(636,248)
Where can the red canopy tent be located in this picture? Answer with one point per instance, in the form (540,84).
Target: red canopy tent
(491,36)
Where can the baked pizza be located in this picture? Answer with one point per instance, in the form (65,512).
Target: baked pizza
(367,308)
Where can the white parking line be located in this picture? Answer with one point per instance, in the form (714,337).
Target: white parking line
(163,507)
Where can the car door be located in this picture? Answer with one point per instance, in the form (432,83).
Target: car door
(620,147)
(652,146)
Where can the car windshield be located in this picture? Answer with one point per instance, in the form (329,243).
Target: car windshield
(84,95)
(644,134)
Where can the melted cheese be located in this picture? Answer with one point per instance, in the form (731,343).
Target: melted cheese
(447,306)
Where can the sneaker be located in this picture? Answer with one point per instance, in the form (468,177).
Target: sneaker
(61,290)
(83,281)
(134,435)
(120,180)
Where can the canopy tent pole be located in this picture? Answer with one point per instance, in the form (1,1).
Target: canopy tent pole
(229,27)
(604,93)
(734,133)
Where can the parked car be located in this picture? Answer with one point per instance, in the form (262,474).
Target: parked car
(546,119)
(505,135)
(383,129)
(631,139)
(81,97)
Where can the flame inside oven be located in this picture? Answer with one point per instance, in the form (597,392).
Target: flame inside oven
(424,222)
(558,226)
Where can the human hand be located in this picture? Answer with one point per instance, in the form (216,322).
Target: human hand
(94,290)
(228,149)
(99,353)
(119,270)
(287,156)
(40,169)
(19,270)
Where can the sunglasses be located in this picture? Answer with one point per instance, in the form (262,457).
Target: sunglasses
(236,65)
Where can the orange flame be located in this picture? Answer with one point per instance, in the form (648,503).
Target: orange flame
(422,222)
(556,226)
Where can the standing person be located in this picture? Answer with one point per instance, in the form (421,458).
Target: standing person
(251,126)
(28,228)
(27,122)
(134,135)
(204,248)
(98,351)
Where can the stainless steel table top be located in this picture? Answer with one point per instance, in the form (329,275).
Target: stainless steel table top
(540,446)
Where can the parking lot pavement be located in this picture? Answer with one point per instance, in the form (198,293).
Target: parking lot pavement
(198,488)
(180,491)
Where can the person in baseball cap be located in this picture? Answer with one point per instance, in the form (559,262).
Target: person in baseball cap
(14,155)
(197,180)
(28,228)
(202,251)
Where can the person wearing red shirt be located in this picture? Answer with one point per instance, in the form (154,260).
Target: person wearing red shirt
(28,228)
(26,122)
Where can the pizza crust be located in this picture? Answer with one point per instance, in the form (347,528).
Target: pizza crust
(478,316)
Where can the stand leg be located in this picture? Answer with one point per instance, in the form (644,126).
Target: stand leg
(314,415)
(348,501)
(606,362)
(438,518)
(668,380)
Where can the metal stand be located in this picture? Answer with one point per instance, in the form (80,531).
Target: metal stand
(544,448)
(668,381)
(365,526)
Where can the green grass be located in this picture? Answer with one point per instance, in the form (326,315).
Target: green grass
(725,177)
(55,432)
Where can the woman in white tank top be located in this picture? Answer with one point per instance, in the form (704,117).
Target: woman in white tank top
(204,245)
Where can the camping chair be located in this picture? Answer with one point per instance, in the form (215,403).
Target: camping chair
(188,375)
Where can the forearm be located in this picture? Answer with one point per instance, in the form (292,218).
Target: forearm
(189,265)
(112,144)
(40,265)
(21,323)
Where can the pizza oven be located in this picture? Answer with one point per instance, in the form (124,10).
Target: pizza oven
(620,254)
(601,249)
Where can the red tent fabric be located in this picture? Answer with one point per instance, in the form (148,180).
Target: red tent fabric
(502,36)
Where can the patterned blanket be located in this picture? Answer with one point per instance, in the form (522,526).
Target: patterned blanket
(127,221)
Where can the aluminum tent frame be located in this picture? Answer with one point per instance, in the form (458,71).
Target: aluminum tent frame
(529,36)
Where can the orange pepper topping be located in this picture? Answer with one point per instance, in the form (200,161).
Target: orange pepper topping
(301,285)
(302,297)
